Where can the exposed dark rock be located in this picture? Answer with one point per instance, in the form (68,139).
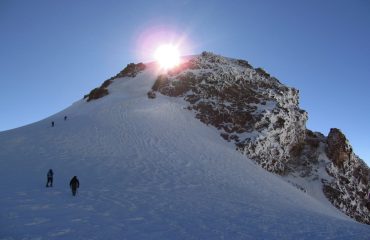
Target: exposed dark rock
(96,93)
(338,149)
(160,83)
(244,63)
(225,136)
(151,94)
(106,83)
(279,123)
(262,72)
(350,178)
(331,193)
(131,70)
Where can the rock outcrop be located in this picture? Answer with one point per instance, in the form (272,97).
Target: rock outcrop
(350,184)
(338,148)
(98,92)
(248,106)
(131,70)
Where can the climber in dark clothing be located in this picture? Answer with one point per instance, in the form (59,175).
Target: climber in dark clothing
(49,182)
(74,184)
(52,123)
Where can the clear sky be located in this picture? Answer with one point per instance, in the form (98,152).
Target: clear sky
(54,52)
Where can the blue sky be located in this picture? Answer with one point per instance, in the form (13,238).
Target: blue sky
(54,52)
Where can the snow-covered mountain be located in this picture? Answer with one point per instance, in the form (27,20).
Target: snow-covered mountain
(262,117)
(150,168)
(246,105)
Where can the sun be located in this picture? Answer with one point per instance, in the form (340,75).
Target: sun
(168,56)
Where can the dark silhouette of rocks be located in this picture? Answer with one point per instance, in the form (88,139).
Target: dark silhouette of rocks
(131,70)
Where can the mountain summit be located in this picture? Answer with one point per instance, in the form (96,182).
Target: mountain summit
(183,154)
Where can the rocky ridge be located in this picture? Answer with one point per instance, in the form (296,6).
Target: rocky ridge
(248,106)
(349,187)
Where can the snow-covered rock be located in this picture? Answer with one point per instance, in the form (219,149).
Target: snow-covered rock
(349,188)
(248,106)
(328,162)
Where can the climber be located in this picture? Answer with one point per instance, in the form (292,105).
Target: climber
(49,182)
(74,184)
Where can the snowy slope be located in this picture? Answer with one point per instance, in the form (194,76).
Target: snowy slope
(148,170)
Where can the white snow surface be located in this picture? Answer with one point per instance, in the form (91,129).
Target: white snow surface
(148,170)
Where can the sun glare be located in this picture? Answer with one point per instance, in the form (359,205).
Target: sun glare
(167,56)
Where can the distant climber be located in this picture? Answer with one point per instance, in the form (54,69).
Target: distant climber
(52,123)
(49,182)
(65,118)
(74,184)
